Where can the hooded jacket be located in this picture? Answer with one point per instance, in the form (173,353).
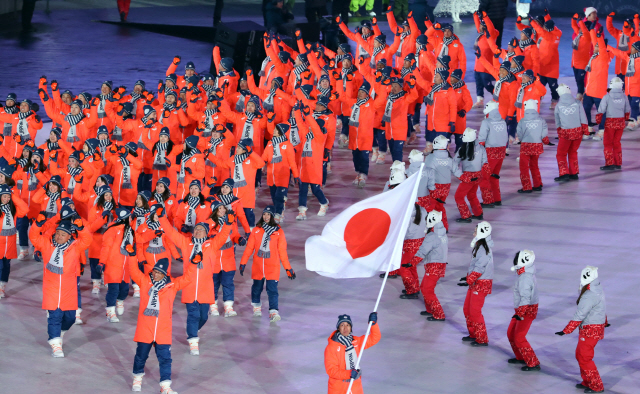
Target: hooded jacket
(592,306)
(569,114)
(615,104)
(435,246)
(442,166)
(493,131)
(532,128)
(416,231)
(597,77)
(427,178)
(525,291)
(482,263)
(475,165)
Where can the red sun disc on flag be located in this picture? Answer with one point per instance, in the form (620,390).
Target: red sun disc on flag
(366,231)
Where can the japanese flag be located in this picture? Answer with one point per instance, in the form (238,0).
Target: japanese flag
(365,238)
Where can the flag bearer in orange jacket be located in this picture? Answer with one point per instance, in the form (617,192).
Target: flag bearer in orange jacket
(342,352)
(118,248)
(61,256)
(198,295)
(268,246)
(158,291)
(281,164)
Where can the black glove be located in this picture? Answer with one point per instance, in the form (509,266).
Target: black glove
(561,333)
(463,279)
(189,170)
(197,258)
(373,317)
(100,268)
(440,201)
(474,179)
(179,260)
(41,219)
(517,317)
(141,265)
(159,233)
(242,241)
(452,127)
(242,267)
(462,113)
(355,374)
(495,176)
(478,54)
(463,284)
(291,274)
(407,265)
(185,228)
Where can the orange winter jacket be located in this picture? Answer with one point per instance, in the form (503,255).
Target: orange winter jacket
(202,214)
(8,242)
(231,79)
(535,91)
(624,38)
(158,328)
(278,172)
(196,164)
(463,102)
(201,287)
(310,166)
(68,180)
(115,260)
(82,129)
(406,46)
(22,178)
(221,151)
(149,250)
(443,110)
(455,50)
(60,290)
(280,106)
(125,193)
(224,259)
(266,267)
(361,136)
(246,192)
(335,361)
(597,79)
(259,124)
(364,45)
(350,84)
(631,84)
(581,54)
(144,135)
(175,120)
(482,42)
(548,56)
(27,128)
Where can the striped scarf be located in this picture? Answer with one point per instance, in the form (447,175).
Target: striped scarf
(307,151)
(354,119)
(265,246)
(405,71)
(525,43)
(631,66)
(458,84)
(24,115)
(193,202)
(226,199)
(74,119)
(428,99)
(389,106)
(350,352)
(14,109)
(56,262)
(519,100)
(197,248)
(153,306)
(498,87)
(52,145)
(153,226)
(276,141)
(405,34)
(588,68)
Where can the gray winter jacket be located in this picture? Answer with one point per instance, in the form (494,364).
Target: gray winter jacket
(475,165)
(483,263)
(614,104)
(525,292)
(493,131)
(532,127)
(442,166)
(435,246)
(569,113)
(427,178)
(591,309)
(416,231)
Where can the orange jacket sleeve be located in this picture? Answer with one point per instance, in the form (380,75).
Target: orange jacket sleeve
(332,364)
(248,251)
(282,250)
(374,336)
(466,98)
(453,106)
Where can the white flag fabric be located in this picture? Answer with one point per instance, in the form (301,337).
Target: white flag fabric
(360,241)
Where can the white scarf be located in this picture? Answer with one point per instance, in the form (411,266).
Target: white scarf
(247,130)
(197,248)
(294,136)
(520,97)
(8,224)
(126,173)
(354,119)
(159,162)
(153,306)
(389,106)
(127,239)
(238,171)
(56,262)
(265,245)
(277,155)
(52,207)
(404,35)
(193,202)
(307,151)
(349,352)
(631,67)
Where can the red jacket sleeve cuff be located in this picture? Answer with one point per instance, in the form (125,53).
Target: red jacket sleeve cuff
(571,326)
(472,277)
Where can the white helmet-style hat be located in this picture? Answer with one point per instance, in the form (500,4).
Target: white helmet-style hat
(469,135)
(483,230)
(588,275)
(563,89)
(531,104)
(490,106)
(616,83)
(433,218)
(396,178)
(589,10)
(440,142)
(397,166)
(416,156)
(525,259)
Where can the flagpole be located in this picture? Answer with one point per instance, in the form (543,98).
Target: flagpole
(396,251)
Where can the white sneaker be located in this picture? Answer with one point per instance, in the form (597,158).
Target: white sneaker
(479,103)
(374,155)
(278,218)
(274,316)
(350,14)
(213,309)
(553,104)
(632,125)
(302,213)
(585,137)
(78,317)
(284,206)
(3,285)
(323,209)
(24,255)
(228,309)
(372,13)
(579,96)
(355,181)
(328,170)
(119,307)
(165,388)
(136,291)
(257,309)
(344,141)
(96,286)
(194,350)
(598,136)
(56,347)
(362,181)
(137,382)
(111,314)
(381,157)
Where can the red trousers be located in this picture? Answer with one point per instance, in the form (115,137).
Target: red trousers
(468,190)
(517,334)
(123,6)
(429,203)
(490,186)
(568,149)
(410,274)
(612,147)
(472,310)
(529,163)
(588,369)
(431,301)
